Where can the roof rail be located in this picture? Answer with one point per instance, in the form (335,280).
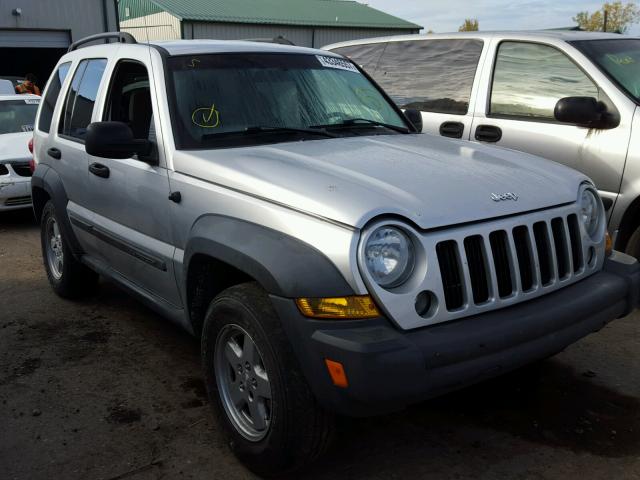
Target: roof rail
(279,39)
(123,37)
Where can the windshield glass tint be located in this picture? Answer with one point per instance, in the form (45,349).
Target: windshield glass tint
(218,94)
(18,115)
(620,59)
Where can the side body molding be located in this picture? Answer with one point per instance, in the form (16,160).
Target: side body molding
(283,265)
(47,179)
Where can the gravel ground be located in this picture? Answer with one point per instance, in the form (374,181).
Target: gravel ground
(105,389)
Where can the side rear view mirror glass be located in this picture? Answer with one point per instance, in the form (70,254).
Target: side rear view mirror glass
(114,140)
(415,117)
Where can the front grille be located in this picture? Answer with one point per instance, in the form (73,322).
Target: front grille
(17,201)
(21,168)
(501,263)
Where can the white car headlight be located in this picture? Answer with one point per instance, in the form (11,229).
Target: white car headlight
(590,211)
(389,256)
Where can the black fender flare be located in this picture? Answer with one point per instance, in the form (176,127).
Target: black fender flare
(283,265)
(47,179)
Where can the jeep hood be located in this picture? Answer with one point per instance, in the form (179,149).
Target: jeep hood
(15,146)
(432,181)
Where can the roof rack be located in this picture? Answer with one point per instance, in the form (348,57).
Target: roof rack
(279,39)
(123,37)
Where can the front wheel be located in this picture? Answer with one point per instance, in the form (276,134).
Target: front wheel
(273,422)
(67,276)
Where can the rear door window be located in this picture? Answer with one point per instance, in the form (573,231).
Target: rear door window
(430,75)
(50,99)
(530,78)
(78,107)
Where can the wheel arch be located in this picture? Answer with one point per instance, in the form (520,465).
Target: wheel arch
(224,251)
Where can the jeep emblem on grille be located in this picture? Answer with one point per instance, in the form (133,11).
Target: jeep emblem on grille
(498,197)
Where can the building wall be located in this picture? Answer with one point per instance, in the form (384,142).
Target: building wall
(156,26)
(80,17)
(301,36)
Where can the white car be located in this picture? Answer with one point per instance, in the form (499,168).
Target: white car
(17,113)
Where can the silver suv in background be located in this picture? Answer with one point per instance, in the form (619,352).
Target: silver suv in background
(571,97)
(274,202)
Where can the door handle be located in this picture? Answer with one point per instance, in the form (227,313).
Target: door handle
(452,129)
(99,170)
(488,133)
(54,153)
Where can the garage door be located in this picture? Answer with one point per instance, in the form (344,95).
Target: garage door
(34,38)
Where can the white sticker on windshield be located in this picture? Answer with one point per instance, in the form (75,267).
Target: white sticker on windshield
(335,62)
(32,101)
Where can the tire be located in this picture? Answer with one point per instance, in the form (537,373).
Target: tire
(67,276)
(296,430)
(633,245)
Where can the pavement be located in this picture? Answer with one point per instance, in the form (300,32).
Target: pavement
(106,389)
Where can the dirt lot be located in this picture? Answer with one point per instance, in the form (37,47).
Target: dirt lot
(105,389)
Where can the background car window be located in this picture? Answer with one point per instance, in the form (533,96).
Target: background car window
(429,75)
(78,107)
(18,115)
(366,55)
(530,78)
(50,99)
(129,98)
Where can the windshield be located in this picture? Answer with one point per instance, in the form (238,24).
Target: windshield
(238,99)
(18,115)
(620,59)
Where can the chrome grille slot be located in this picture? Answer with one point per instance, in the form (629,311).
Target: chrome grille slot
(477,263)
(561,247)
(522,242)
(576,244)
(543,249)
(451,272)
(501,261)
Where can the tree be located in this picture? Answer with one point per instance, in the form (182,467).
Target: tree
(620,16)
(469,25)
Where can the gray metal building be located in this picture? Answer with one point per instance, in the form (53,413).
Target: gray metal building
(35,33)
(311,23)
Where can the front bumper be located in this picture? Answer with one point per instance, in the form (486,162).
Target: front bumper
(15,192)
(388,369)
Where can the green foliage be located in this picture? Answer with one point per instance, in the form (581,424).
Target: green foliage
(620,16)
(469,25)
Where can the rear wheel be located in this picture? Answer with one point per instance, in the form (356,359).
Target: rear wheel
(273,422)
(67,276)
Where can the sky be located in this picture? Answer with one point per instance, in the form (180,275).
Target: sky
(447,15)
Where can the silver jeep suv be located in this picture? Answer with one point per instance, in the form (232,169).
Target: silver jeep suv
(275,203)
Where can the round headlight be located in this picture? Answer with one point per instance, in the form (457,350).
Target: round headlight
(389,256)
(589,211)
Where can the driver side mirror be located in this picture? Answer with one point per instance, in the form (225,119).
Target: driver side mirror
(115,140)
(582,111)
(415,117)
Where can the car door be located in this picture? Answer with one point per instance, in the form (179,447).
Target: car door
(435,76)
(129,198)
(60,133)
(526,82)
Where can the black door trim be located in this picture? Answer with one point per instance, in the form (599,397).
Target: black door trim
(136,252)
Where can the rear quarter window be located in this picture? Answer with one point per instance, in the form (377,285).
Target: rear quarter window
(51,97)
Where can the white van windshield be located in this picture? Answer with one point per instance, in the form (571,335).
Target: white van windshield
(620,59)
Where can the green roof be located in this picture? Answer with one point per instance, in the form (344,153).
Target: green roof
(325,13)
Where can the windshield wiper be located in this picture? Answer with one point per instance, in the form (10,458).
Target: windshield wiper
(268,129)
(349,122)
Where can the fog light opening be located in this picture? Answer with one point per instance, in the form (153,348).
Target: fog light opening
(426,304)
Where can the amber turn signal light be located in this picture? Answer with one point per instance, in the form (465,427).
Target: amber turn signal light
(360,306)
(337,374)
(608,244)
